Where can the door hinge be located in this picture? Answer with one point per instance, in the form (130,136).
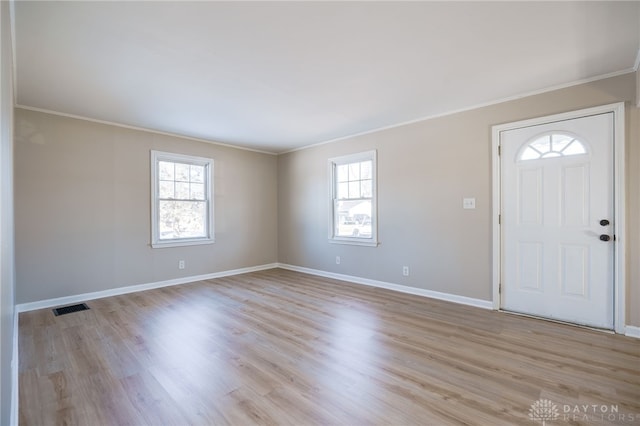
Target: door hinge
(500,288)
(499,150)
(499,219)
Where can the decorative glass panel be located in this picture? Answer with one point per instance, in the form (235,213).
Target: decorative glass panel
(551,146)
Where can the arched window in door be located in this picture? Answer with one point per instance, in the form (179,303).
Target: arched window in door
(552,145)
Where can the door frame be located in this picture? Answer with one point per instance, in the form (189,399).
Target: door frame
(619,287)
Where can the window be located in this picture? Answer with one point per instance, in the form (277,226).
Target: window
(552,145)
(353,199)
(182,200)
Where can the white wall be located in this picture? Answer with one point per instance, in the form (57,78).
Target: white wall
(7,280)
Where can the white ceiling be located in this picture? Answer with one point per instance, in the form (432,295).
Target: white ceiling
(275,76)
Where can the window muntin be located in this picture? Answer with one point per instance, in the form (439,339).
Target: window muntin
(182,207)
(552,145)
(353,201)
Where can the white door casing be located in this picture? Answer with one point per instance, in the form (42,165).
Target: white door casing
(548,206)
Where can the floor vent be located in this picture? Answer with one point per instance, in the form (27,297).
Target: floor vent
(69,309)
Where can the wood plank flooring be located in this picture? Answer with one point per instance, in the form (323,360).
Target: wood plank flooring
(282,348)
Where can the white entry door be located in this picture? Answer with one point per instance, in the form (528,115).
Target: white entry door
(557,220)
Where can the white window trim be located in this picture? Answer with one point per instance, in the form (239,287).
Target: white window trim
(157,156)
(353,158)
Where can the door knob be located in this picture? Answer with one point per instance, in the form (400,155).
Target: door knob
(604,237)
(604,222)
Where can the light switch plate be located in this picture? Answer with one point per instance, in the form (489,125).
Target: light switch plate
(468,203)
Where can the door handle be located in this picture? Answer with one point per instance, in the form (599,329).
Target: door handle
(604,237)
(604,222)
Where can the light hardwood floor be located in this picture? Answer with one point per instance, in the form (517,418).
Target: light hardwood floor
(280,347)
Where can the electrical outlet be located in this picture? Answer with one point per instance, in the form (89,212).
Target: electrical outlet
(468,203)
(405,271)
(181,264)
(337,260)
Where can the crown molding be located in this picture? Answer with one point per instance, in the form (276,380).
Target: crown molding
(140,129)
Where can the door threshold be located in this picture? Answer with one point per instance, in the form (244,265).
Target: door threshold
(587,327)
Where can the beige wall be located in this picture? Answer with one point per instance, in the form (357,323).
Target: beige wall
(424,171)
(83,208)
(82,202)
(7,276)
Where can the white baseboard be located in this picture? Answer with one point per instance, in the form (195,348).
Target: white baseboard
(478,303)
(15,372)
(632,331)
(49,303)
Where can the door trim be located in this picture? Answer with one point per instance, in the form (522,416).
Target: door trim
(619,287)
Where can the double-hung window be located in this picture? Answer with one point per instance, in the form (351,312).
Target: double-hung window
(182,200)
(353,218)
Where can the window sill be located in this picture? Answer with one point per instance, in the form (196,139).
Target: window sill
(354,242)
(182,243)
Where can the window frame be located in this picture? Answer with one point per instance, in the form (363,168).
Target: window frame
(156,157)
(333,193)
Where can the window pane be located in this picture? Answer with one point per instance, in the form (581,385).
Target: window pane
(575,148)
(165,170)
(560,142)
(365,170)
(197,174)
(343,190)
(182,172)
(197,191)
(543,144)
(551,155)
(353,219)
(166,189)
(354,189)
(529,154)
(366,188)
(182,191)
(343,172)
(182,219)
(354,171)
